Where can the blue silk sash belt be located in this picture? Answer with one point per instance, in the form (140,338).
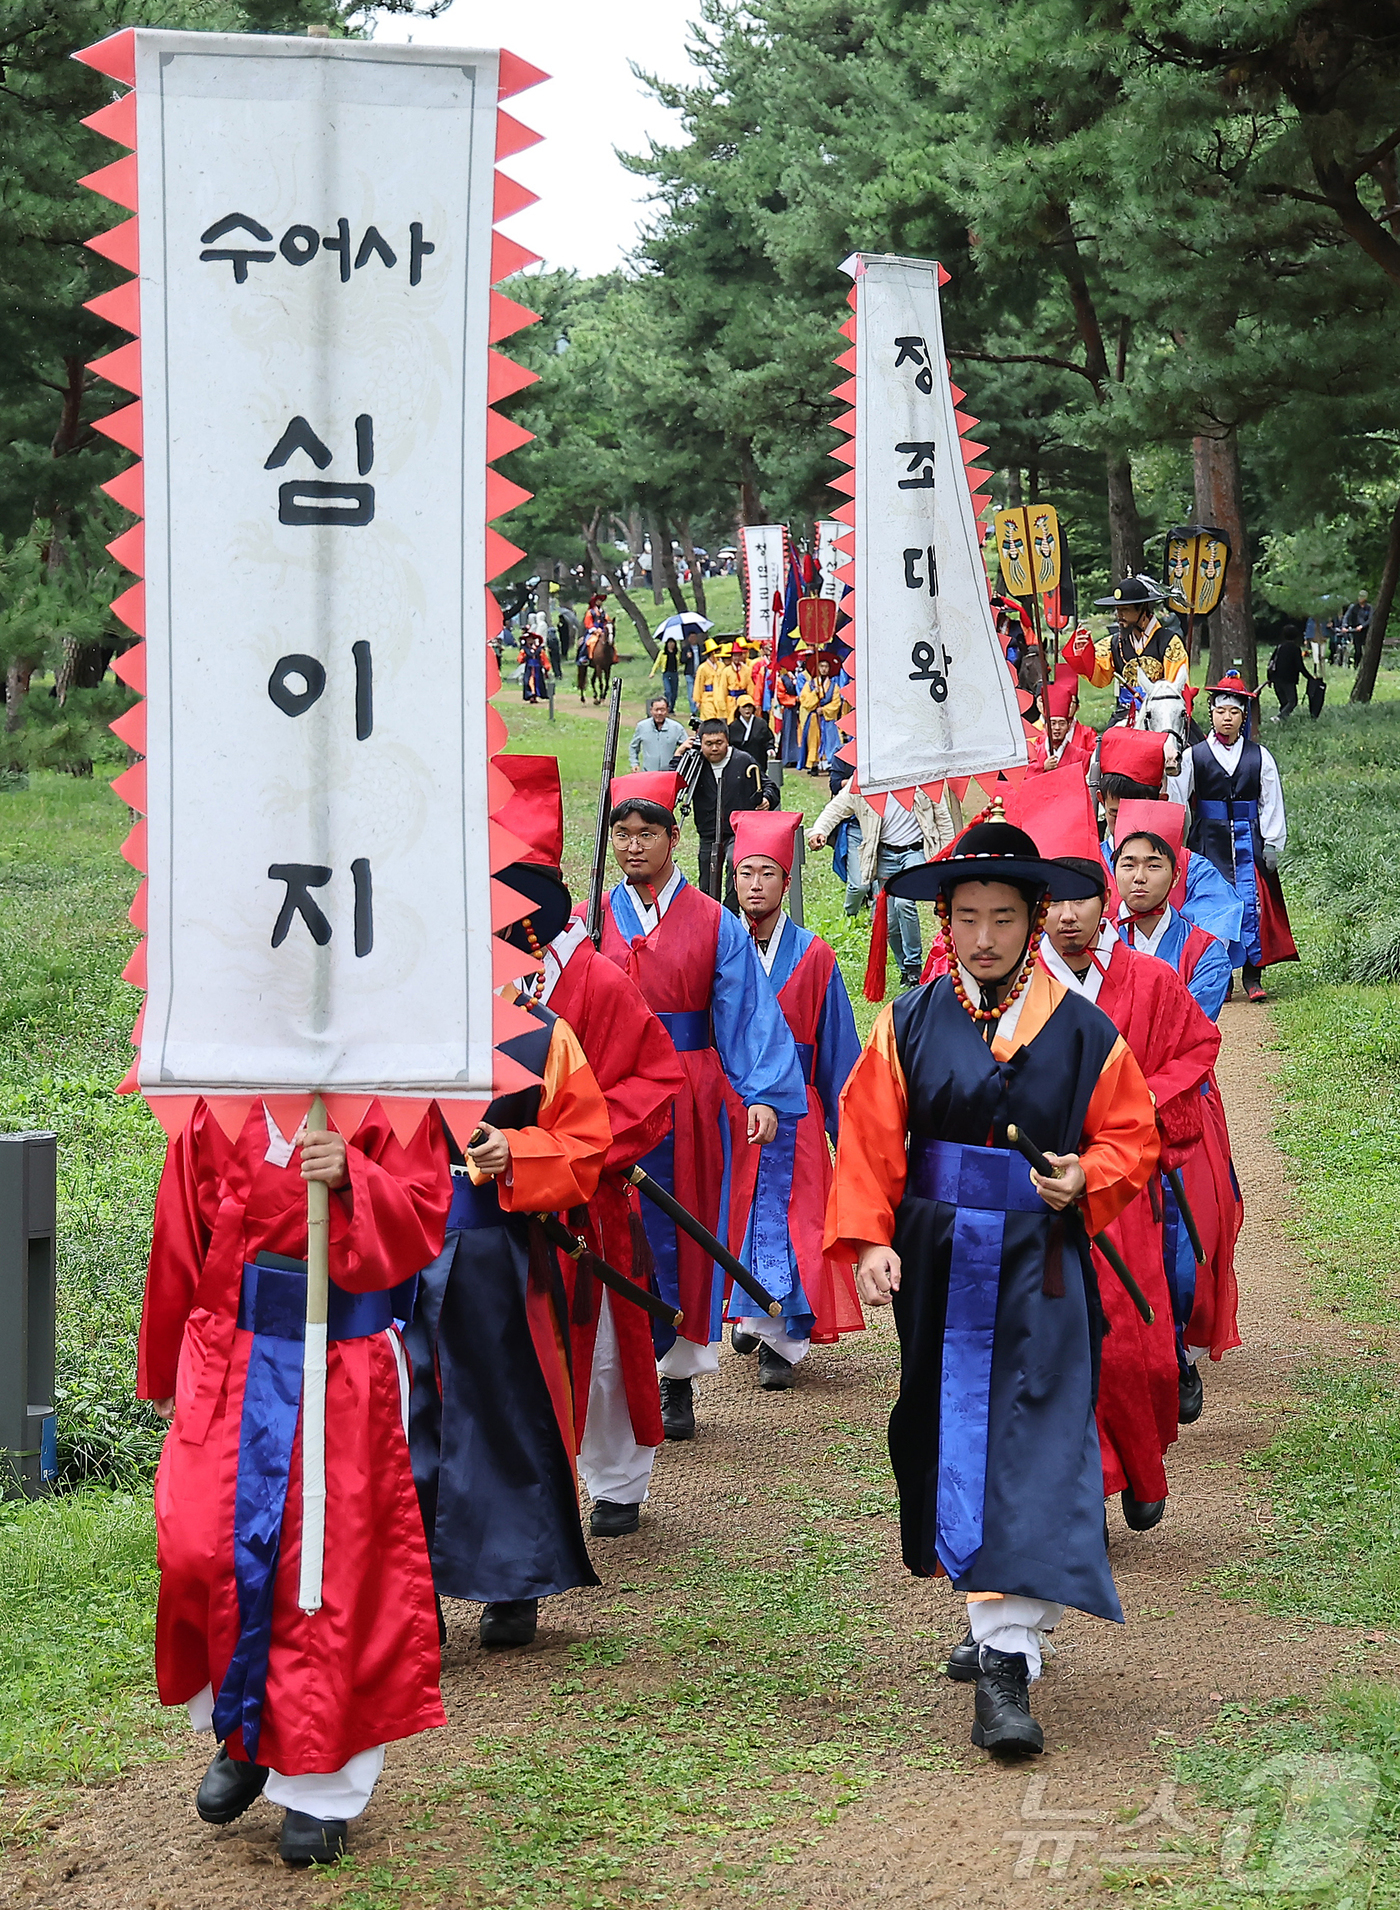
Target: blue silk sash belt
(272,1307)
(1241,817)
(472,1206)
(983,1185)
(689,1029)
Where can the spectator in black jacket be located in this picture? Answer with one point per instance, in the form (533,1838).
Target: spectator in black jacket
(751,733)
(1285,667)
(728,779)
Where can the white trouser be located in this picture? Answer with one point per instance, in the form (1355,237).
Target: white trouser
(1013,1624)
(611,1463)
(1195,1353)
(343,1793)
(764,1327)
(686,1360)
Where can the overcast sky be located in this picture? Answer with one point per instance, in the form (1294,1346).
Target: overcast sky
(589,205)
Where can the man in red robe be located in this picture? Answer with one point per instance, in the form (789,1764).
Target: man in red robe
(696,968)
(1175,1046)
(617,1408)
(303,1704)
(1066,740)
(820,1302)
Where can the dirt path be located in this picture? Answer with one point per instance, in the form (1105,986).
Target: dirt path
(966,1832)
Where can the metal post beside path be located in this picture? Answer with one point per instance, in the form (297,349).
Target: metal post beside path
(28,1296)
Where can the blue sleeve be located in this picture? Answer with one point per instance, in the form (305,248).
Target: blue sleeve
(1210,981)
(838,1050)
(755,1044)
(1211,901)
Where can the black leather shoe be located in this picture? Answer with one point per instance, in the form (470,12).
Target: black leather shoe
(1003,1721)
(442,1622)
(510,1623)
(311,1840)
(1140,1515)
(228,1788)
(775,1374)
(741,1339)
(609,1520)
(677,1409)
(1190,1397)
(964,1661)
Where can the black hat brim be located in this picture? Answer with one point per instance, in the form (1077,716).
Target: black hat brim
(551,903)
(926,881)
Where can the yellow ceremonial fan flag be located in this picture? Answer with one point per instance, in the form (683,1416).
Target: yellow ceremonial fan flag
(1197,556)
(1045,545)
(1013,548)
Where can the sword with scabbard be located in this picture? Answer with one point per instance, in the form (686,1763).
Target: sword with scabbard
(1193,1232)
(1029,1151)
(577,1248)
(702,1236)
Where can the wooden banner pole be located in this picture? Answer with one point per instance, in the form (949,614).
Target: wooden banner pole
(313,1381)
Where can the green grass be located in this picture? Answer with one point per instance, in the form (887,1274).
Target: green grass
(77,1588)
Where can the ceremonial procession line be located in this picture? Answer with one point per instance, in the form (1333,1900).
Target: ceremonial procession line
(470,1180)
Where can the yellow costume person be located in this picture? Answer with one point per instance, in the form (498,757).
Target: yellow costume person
(1139,652)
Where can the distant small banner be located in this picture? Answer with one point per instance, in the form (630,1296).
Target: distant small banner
(765,574)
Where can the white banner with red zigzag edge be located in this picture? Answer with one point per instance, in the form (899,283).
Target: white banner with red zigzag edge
(933,699)
(315,317)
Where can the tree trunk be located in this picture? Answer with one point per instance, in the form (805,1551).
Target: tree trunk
(1124,524)
(1232,642)
(668,565)
(657,577)
(1364,686)
(16,689)
(614,583)
(1015,495)
(750,502)
(697,582)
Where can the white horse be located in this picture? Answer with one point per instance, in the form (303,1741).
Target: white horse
(1163,708)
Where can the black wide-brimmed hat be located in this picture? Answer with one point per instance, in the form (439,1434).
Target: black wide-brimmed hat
(1133,591)
(991,852)
(551,904)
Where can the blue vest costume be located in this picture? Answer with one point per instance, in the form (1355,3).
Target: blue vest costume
(992,1439)
(495,1481)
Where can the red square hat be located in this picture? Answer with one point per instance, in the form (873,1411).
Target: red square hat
(1141,755)
(1059,694)
(758,832)
(535,812)
(1057,811)
(647,785)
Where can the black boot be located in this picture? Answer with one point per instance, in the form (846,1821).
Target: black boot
(677,1409)
(963,1661)
(1253,979)
(775,1374)
(1140,1515)
(1190,1397)
(228,1787)
(509,1623)
(1003,1721)
(741,1339)
(609,1520)
(442,1622)
(311,1840)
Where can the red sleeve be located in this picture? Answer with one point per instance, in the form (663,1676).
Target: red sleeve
(179,1242)
(631,1056)
(394,1221)
(556,1164)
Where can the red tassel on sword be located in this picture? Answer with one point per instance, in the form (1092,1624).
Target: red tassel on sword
(879,949)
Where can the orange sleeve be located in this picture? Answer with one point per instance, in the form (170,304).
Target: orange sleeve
(557,1164)
(872,1151)
(1119,1147)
